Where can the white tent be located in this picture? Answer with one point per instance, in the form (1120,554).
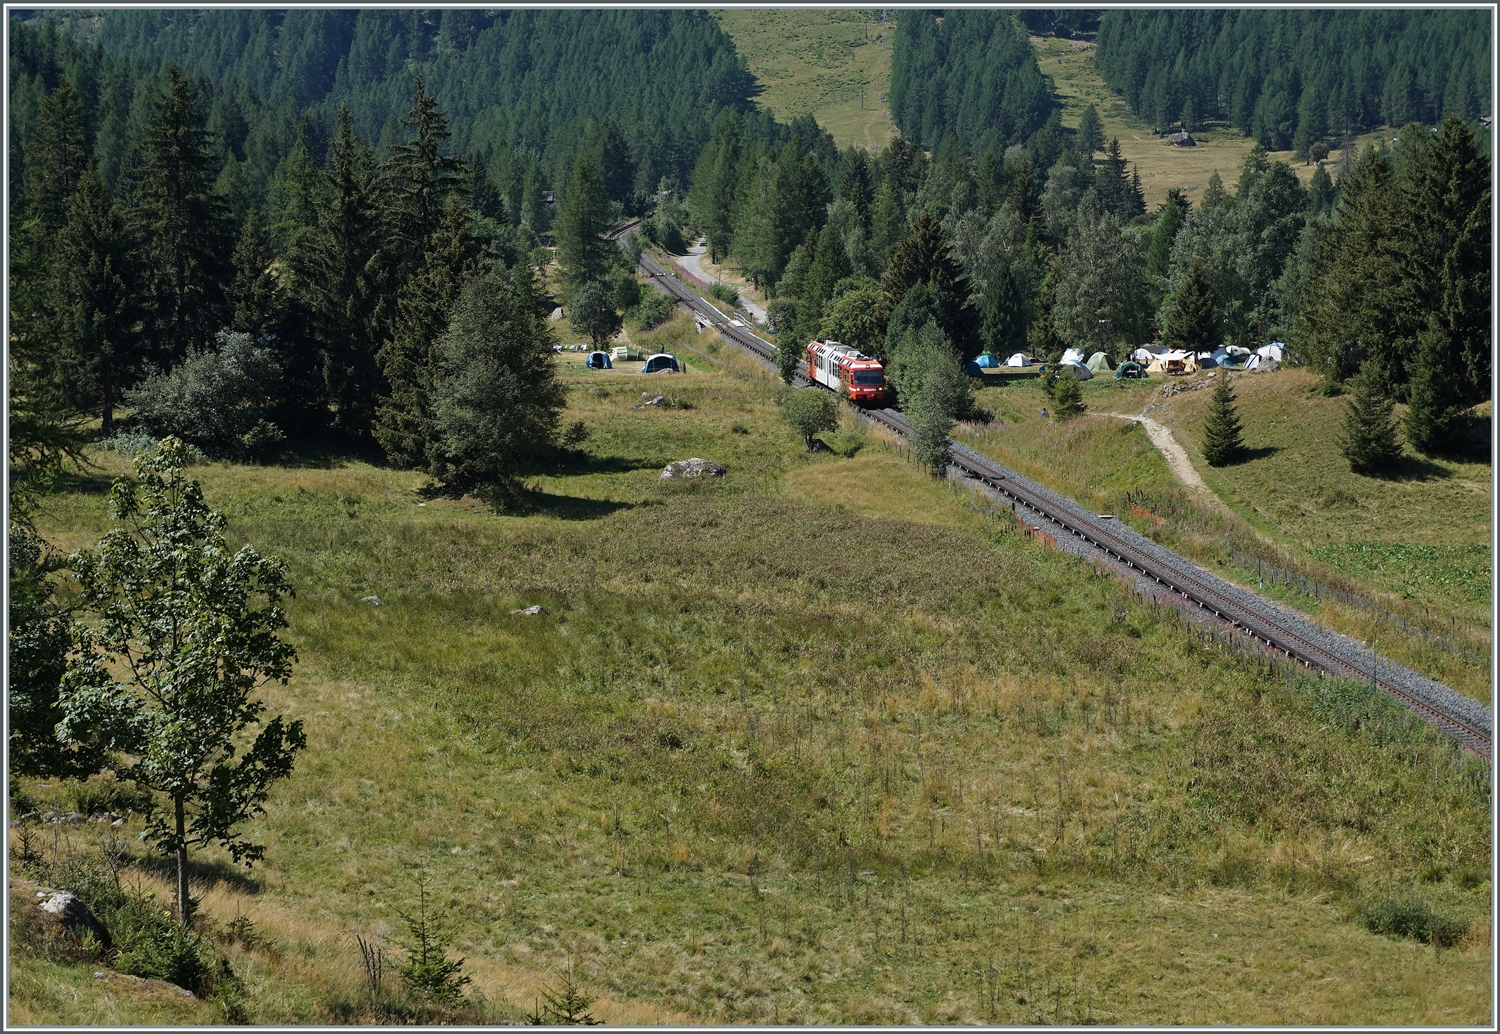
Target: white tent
(1072,355)
(1271,351)
(1077,369)
(1144,355)
(1019,359)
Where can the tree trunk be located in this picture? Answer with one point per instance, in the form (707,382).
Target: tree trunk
(183,916)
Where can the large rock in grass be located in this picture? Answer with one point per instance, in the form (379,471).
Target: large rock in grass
(692,468)
(58,915)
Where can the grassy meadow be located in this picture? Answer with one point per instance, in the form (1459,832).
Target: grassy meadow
(817,62)
(1416,544)
(1220,149)
(816,743)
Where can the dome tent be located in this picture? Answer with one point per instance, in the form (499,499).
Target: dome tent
(1099,363)
(599,361)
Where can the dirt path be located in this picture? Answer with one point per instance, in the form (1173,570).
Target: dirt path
(1171,450)
(693,263)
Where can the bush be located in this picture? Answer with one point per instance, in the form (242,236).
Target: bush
(131,445)
(725,293)
(810,412)
(651,311)
(215,399)
(1410,917)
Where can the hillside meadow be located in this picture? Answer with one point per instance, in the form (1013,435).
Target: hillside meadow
(1415,545)
(822,742)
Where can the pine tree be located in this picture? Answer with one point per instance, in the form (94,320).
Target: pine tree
(57,155)
(830,264)
(1195,325)
(583,250)
(1090,132)
(254,293)
(1223,437)
(922,256)
(1067,396)
(1368,437)
(417,179)
(1002,313)
(340,280)
(403,418)
(1435,416)
(1171,215)
(96,303)
(181,222)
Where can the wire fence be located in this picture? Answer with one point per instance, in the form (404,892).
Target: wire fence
(1270,574)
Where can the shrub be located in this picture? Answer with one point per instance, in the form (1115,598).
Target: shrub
(651,311)
(592,313)
(1410,917)
(725,293)
(216,399)
(810,412)
(132,445)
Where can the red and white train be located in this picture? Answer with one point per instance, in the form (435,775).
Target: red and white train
(846,371)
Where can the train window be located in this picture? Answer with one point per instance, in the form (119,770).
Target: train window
(868,378)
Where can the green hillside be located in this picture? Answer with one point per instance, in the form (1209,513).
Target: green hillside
(834,65)
(949,775)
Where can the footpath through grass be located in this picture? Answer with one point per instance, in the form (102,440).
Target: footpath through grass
(1416,545)
(814,743)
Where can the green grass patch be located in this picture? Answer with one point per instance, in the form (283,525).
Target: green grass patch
(1428,569)
(816,743)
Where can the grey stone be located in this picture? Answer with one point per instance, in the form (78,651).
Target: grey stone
(373,601)
(695,467)
(531,611)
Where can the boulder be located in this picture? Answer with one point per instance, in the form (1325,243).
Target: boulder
(61,913)
(531,611)
(692,468)
(373,601)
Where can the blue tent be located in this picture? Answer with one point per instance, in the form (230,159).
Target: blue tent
(599,361)
(988,362)
(973,369)
(661,362)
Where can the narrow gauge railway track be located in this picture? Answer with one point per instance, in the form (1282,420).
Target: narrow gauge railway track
(1179,578)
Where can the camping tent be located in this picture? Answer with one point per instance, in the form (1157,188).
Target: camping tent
(1264,364)
(1174,362)
(1077,369)
(1019,359)
(973,369)
(1146,354)
(1271,351)
(661,362)
(987,361)
(599,361)
(1072,355)
(1129,371)
(1099,363)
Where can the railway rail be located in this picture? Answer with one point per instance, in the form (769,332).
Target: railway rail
(1467,723)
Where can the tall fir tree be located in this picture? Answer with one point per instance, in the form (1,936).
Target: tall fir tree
(403,424)
(96,298)
(922,257)
(1090,132)
(181,222)
(1223,437)
(417,179)
(340,278)
(57,155)
(1367,438)
(1003,323)
(254,293)
(1195,324)
(583,248)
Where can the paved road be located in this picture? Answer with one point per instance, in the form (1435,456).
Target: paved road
(693,263)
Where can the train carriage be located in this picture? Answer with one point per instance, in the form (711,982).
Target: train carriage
(846,371)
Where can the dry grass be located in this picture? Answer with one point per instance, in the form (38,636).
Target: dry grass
(1070,63)
(817,62)
(765,759)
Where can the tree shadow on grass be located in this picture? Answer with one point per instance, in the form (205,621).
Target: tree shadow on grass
(1415,468)
(326,450)
(1246,455)
(567,507)
(81,483)
(207,873)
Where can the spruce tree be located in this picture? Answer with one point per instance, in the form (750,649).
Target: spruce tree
(1195,324)
(1090,132)
(1002,313)
(1368,436)
(583,250)
(922,257)
(181,222)
(254,293)
(1171,215)
(57,155)
(403,418)
(95,298)
(1067,396)
(496,397)
(340,279)
(1223,437)
(417,179)
(1435,415)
